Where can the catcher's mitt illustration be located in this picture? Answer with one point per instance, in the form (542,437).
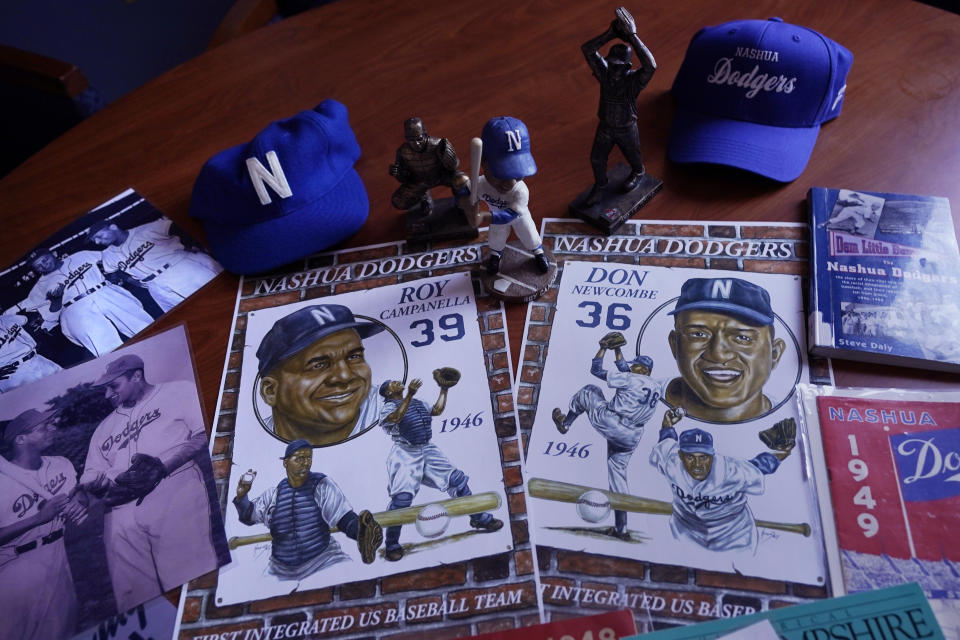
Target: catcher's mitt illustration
(369,536)
(782,436)
(446,377)
(144,474)
(613,340)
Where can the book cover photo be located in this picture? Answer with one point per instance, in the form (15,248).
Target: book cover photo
(885,269)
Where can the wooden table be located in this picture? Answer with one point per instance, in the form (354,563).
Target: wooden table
(457,64)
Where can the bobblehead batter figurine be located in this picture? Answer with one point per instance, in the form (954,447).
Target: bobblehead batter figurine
(621,419)
(422,163)
(617,195)
(517,273)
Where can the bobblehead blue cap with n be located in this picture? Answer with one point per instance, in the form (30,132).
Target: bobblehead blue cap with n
(506,148)
(289,192)
(730,296)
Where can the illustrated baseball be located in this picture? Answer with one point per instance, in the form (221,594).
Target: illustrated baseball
(593,506)
(432,521)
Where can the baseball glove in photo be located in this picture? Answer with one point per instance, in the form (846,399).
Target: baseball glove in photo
(613,340)
(144,474)
(782,436)
(446,377)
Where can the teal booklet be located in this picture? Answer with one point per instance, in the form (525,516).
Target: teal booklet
(897,613)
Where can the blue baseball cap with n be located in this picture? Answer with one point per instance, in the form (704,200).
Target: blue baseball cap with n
(295,446)
(752,94)
(730,296)
(506,148)
(289,192)
(295,332)
(696,441)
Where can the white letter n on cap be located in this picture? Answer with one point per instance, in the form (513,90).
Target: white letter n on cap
(260,178)
(721,289)
(323,315)
(514,140)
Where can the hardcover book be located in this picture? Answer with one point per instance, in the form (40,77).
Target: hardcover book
(885,270)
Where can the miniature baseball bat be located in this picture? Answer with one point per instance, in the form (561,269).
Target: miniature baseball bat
(465,506)
(476,155)
(566,492)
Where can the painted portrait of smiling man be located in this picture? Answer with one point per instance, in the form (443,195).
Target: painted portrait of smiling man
(315,377)
(724,344)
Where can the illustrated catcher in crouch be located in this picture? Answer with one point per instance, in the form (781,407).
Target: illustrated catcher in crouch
(301,512)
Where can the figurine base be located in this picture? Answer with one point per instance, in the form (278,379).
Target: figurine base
(447,222)
(615,207)
(518,280)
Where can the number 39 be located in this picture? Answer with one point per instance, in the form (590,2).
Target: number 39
(451,325)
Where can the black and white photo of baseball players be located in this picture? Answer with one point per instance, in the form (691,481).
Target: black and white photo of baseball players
(92,286)
(663,452)
(370,413)
(855,212)
(106,490)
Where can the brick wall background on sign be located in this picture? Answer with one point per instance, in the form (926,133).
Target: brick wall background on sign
(477,596)
(660,596)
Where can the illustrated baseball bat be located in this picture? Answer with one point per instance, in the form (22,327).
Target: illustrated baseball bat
(566,492)
(476,155)
(465,506)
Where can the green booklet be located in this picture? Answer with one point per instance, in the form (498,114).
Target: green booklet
(900,612)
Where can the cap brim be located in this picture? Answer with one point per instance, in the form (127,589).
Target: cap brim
(259,247)
(514,167)
(109,377)
(42,417)
(697,449)
(779,153)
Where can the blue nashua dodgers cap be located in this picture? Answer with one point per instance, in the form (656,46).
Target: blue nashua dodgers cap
(752,94)
(288,193)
